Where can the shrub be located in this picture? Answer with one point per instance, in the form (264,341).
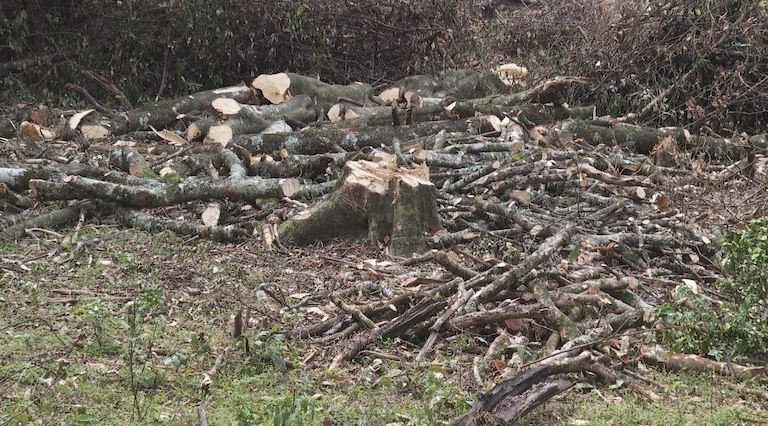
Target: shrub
(738,328)
(154,47)
(704,60)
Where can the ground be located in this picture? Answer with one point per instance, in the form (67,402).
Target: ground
(116,326)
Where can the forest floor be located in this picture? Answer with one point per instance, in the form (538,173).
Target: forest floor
(120,327)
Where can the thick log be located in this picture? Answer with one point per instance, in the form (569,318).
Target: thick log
(644,139)
(322,140)
(249,119)
(191,189)
(278,88)
(163,113)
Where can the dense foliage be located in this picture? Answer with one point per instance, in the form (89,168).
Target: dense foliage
(737,328)
(153,47)
(696,63)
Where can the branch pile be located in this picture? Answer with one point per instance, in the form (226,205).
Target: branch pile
(582,206)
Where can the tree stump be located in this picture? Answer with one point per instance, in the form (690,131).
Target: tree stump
(375,200)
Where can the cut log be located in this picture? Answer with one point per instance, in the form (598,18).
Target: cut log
(376,200)
(163,113)
(279,88)
(129,160)
(248,119)
(202,189)
(322,140)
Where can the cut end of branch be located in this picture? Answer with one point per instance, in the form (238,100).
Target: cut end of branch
(274,87)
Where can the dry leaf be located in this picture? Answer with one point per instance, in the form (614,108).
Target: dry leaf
(93,132)
(170,137)
(39,117)
(75,120)
(30,131)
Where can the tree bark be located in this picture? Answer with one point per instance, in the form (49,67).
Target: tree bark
(377,201)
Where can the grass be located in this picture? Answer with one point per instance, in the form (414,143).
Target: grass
(152,313)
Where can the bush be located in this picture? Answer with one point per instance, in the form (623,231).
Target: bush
(738,328)
(151,47)
(707,58)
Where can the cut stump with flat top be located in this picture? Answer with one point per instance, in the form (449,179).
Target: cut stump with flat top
(376,200)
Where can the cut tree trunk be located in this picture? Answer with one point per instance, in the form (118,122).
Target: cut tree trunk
(163,113)
(322,140)
(462,84)
(278,88)
(249,119)
(376,200)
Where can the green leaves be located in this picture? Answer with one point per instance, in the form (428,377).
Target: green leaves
(738,327)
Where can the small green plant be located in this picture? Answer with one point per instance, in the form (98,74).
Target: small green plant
(143,326)
(288,411)
(440,397)
(497,248)
(734,329)
(103,324)
(265,345)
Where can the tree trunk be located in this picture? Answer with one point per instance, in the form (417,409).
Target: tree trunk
(376,200)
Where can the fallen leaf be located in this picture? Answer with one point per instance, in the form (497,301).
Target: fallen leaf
(170,137)
(75,120)
(39,117)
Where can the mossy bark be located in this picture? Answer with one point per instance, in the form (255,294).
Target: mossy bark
(377,201)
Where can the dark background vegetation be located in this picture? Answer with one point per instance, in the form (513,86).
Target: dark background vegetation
(708,58)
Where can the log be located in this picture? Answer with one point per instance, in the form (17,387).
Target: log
(686,362)
(549,91)
(322,140)
(377,201)
(54,219)
(511,399)
(150,223)
(249,119)
(498,315)
(190,189)
(163,113)
(643,139)
(461,84)
(279,88)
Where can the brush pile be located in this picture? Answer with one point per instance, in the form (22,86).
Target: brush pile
(592,216)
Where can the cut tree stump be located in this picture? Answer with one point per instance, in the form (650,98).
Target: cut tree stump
(376,200)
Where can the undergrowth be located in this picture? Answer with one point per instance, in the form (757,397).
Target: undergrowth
(736,328)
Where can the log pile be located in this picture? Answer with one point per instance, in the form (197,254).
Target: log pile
(429,162)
